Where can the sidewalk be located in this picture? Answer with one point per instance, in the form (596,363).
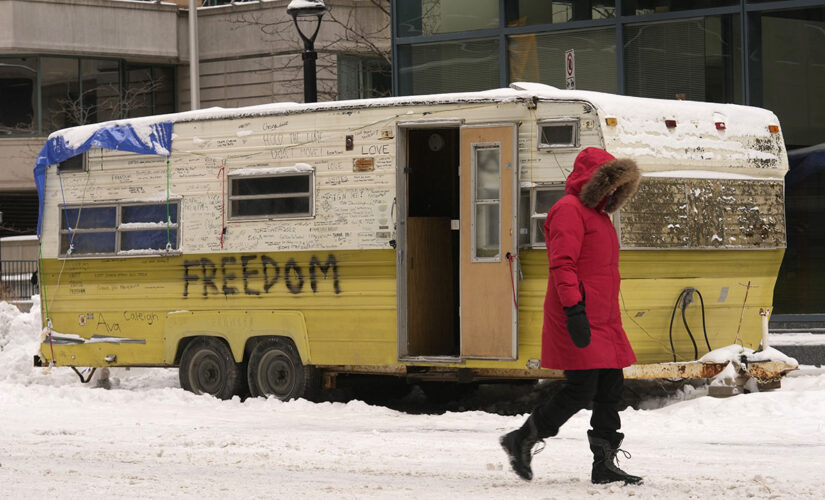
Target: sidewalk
(808,348)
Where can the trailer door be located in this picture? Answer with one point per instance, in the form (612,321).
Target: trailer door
(489,280)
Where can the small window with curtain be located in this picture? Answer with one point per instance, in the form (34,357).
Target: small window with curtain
(279,192)
(119,229)
(558,134)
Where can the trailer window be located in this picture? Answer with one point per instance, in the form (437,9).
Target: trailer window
(74,164)
(541,199)
(486,194)
(119,229)
(558,134)
(271,196)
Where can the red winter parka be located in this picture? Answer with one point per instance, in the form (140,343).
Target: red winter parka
(583,252)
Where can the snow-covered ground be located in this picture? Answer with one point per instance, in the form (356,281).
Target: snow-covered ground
(147,438)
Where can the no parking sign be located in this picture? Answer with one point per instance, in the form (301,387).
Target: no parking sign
(570,69)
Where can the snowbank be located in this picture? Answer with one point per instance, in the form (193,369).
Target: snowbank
(146,438)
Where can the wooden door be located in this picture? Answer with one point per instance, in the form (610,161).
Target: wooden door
(488,192)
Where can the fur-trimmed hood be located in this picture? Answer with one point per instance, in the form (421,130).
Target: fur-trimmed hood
(602,181)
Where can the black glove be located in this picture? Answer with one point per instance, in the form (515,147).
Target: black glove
(578,325)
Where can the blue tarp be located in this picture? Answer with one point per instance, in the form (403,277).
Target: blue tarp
(118,137)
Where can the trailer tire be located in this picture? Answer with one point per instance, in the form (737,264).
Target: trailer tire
(275,369)
(207,367)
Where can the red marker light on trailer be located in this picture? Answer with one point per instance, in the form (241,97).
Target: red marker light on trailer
(720,126)
(670,123)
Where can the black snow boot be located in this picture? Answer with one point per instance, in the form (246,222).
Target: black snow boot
(605,463)
(519,447)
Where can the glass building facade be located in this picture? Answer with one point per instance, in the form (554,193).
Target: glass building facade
(768,54)
(762,53)
(40,94)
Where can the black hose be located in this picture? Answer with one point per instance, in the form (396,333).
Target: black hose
(670,330)
(684,299)
(704,329)
(690,334)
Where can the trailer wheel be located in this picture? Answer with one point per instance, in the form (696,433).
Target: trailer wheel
(207,367)
(275,369)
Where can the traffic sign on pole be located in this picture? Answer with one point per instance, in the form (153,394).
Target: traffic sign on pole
(570,69)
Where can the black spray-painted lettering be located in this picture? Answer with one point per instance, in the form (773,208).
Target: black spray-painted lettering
(266,263)
(315,263)
(208,277)
(188,277)
(260,273)
(247,273)
(227,277)
(299,274)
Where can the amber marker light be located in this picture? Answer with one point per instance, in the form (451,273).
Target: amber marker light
(774,129)
(611,121)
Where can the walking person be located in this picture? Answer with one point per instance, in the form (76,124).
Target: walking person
(582,332)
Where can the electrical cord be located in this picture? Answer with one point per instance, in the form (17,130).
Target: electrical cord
(684,300)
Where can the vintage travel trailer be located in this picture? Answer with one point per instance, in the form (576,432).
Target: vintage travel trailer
(282,246)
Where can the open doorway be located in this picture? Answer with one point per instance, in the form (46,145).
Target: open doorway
(432,263)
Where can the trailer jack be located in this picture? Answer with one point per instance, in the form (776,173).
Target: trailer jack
(87,379)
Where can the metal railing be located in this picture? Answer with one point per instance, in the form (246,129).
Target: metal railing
(18,280)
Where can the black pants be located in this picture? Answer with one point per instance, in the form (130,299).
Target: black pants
(603,387)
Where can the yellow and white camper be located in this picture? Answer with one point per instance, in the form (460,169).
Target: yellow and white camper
(286,244)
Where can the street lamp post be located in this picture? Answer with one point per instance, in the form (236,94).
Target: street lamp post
(308,8)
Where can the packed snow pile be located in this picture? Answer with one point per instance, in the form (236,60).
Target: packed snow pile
(19,339)
(741,354)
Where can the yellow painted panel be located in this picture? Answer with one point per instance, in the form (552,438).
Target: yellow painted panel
(651,283)
(340,303)
(136,304)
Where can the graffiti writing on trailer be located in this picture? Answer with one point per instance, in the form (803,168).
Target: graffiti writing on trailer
(255,275)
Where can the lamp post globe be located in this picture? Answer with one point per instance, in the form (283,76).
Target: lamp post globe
(308,9)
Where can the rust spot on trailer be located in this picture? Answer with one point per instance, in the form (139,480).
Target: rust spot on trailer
(768,372)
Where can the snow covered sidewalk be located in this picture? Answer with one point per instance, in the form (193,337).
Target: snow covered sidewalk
(147,438)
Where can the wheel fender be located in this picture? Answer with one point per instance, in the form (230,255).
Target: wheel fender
(236,327)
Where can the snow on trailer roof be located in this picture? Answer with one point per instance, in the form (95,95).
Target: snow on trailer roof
(640,128)
(640,131)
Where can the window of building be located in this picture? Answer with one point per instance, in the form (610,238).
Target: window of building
(287,192)
(119,229)
(788,71)
(77,91)
(363,77)
(430,17)
(486,192)
(530,12)
(558,134)
(60,93)
(148,90)
(694,59)
(18,95)
(100,81)
(457,66)
(644,7)
(540,58)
